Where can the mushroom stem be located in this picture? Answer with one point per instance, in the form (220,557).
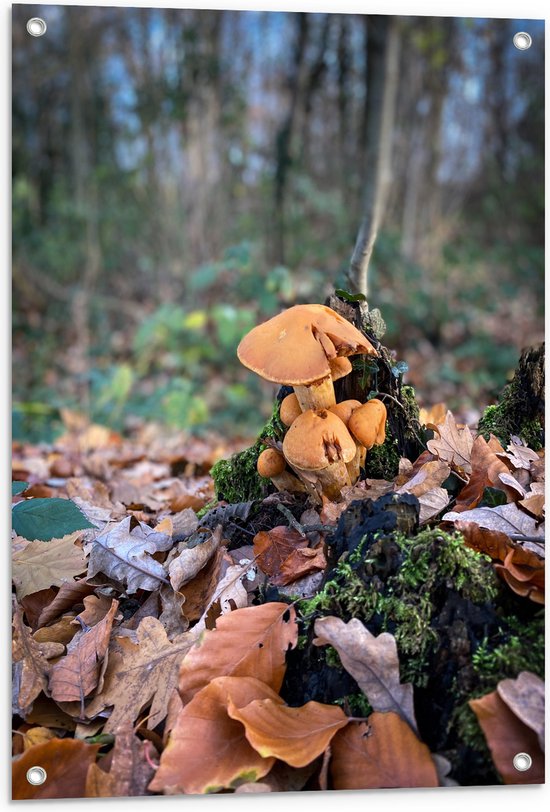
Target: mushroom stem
(288,482)
(316,395)
(354,467)
(330,480)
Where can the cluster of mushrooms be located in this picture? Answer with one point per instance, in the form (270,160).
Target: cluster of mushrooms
(324,448)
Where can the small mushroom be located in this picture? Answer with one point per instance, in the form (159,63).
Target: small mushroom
(296,347)
(344,410)
(339,367)
(290,409)
(368,423)
(318,447)
(272,465)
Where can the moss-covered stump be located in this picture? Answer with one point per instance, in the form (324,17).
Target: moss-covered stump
(236,479)
(520,407)
(459,631)
(381,376)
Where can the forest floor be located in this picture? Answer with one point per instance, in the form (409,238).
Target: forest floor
(167,641)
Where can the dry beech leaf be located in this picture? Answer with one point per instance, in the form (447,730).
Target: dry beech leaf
(30,666)
(62,631)
(434,414)
(43,564)
(296,736)
(37,735)
(70,593)
(432,503)
(523,579)
(520,455)
(95,609)
(139,674)
(66,763)
(372,661)
(525,698)
(486,468)
(76,675)
(124,552)
(129,771)
(249,642)
(207,749)
(229,595)
(452,445)
(506,736)
(282,778)
(192,559)
(533,503)
(273,547)
(507,519)
(431,475)
(198,593)
(301,563)
(379,754)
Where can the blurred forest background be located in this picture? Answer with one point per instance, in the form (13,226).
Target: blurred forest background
(179,176)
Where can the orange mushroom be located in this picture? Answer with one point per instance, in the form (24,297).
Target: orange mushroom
(318,447)
(296,347)
(368,423)
(272,465)
(290,409)
(344,411)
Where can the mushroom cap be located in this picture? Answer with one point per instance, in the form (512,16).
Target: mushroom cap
(270,463)
(290,409)
(339,367)
(368,423)
(295,346)
(344,409)
(316,439)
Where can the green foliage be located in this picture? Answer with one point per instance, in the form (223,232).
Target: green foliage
(47,519)
(18,487)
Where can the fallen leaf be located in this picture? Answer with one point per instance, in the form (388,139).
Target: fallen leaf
(486,467)
(95,609)
(124,552)
(525,698)
(129,772)
(434,414)
(452,445)
(507,519)
(37,735)
(293,735)
(249,642)
(141,673)
(506,736)
(534,504)
(191,560)
(207,749)
(76,675)
(372,661)
(301,563)
(382,753)
(62,631)
(69,594)
(432,503)
(43,564)
(281,778)
(273,547)
(229,595)
(524,580)
(66,763)
(198,593)
(520,455)
(431,475)
(31,668)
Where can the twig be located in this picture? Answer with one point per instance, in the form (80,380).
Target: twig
(291,520)
(520,537)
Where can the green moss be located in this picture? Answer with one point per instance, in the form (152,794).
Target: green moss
(405,604)
(355,705)
(497,420)
(236,479)
(382,461)
(522,649)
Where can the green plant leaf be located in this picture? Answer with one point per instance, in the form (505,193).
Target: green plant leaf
(18,487)
(47,519)
(350,297)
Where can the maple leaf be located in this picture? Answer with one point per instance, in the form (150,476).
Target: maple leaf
(124,551)
(139,673)
(382,753)
(452,445)
(293,735)
(46,563)
(66,763)
(372,661)
(129,772)
(247,642)
(31,668)
(506,736)
(76,675)
(207,749)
